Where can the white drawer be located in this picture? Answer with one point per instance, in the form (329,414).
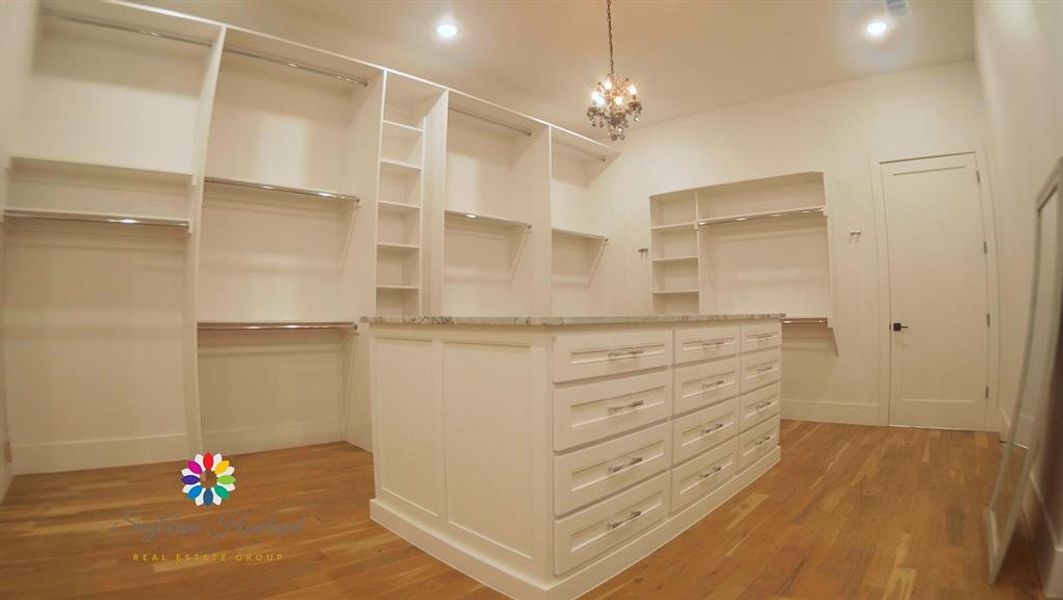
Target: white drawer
(758,405)
(585,413)
(704,384)
(703,343)
(593,473)
(760,368)
(581,356)
(757,442)
(703,474)
(597,529)
(761,335)
(704,429)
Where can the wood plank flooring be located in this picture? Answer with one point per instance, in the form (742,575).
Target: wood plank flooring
(850,512)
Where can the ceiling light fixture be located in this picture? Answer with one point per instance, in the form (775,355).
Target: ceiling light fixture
(446,30)
(877,28)
(615,102)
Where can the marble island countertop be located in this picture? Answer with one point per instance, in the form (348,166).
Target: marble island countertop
(564,320)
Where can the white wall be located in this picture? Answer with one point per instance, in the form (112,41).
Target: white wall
(1019,47)
(834,129)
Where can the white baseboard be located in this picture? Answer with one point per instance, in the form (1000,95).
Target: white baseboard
(272,437)
(97,454)
(7,473)
(497,576)
(1047,546)
(831,412)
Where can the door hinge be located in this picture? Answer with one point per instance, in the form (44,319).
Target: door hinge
(978,176)
(987,319)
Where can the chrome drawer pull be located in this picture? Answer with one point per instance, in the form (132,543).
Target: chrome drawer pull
(631,517)
(762,336)
(714,471)
(713,384)
(716,427)
(765,368)
(617,468)
(714,343)
(616,354)
(764,440)
(630,405)
(761,405)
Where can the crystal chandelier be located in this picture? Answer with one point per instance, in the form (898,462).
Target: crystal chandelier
(615,102)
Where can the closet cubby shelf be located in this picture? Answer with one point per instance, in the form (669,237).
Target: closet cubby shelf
(488,220)
(683,225)
(757,216)
(398,167)
(273,325)
(94,217)
(280,189)
(676,259)
(673,292)
(397,206)
(580,234)
(403,128)
(395,246)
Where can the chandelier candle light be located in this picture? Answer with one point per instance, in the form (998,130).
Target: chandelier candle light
(615,102)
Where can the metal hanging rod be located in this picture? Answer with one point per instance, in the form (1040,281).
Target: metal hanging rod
(573,233)
(581,150)
(805,321)
(298,65)
(283,189)
(58,215)
(488,219)
(149,31)
(274,326)
(762,215)
(462,111)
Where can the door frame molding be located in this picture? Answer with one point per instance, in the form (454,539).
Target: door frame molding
(994,419)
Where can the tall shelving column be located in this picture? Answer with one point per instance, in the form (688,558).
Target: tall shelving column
(674,253)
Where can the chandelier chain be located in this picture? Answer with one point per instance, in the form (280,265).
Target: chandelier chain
(609,19)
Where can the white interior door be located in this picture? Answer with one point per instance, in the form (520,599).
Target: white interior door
(938,293)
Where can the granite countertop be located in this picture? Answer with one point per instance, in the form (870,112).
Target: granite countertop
(564,320)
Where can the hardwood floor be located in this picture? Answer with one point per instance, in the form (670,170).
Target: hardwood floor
(850,512)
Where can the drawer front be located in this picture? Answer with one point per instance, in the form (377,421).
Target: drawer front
(697,386)
(761,335)
(703,474)
(601,354)
(597,529)
(760,368)
(757,442)
(758,405)
(703,343)
(593,473)
(585,413)
(699,431)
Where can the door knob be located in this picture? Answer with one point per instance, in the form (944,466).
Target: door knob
(897,326)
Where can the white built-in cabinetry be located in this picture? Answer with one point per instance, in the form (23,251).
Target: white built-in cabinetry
(197,214)
(543,457)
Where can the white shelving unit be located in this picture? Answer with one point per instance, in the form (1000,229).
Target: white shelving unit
(674,253)
(225,205)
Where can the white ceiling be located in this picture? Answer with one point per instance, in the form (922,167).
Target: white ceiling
(543,56)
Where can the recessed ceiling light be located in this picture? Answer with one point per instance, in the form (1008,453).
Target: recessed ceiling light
(877,28)
(447,30)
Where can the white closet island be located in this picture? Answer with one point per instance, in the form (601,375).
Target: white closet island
(543,455)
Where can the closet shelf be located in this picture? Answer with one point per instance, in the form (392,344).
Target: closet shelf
(395,246)
(397,206)
(398,167)
(683,225)
(807,210)
(488,220)
(590,236)
(673,292)
(403,128)
(397,287)
(273,325)
(92,217)
(280,189)
(676,259)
